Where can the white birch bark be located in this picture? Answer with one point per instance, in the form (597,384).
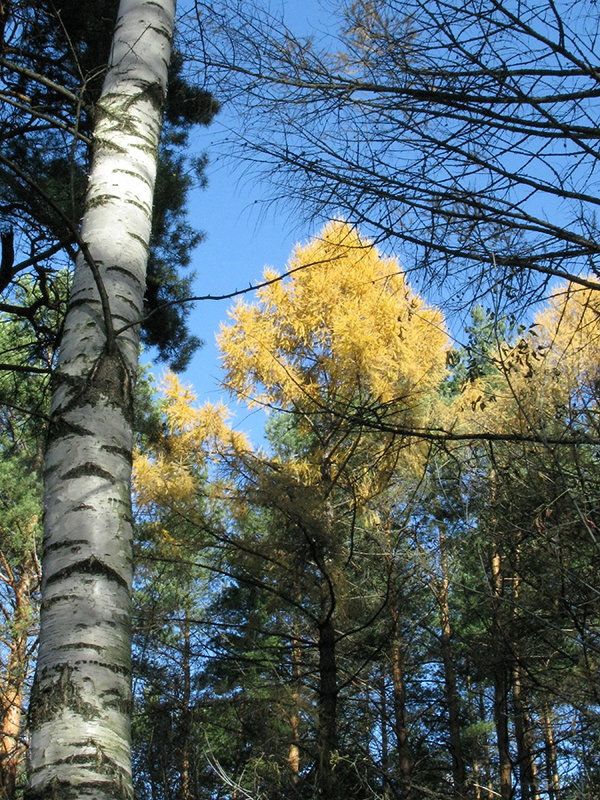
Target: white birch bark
(81,703)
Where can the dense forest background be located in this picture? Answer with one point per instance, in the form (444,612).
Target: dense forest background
(396,594)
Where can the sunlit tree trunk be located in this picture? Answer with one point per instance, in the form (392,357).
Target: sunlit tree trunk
(294,717)
(21,581)
(81,701)
(501,682)
(528,773)
(551,760)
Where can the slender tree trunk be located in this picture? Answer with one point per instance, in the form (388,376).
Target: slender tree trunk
(294,719)
(327,723)
(400,723)
(501,683)
(81,701)
(186,713)
(12,689)
(551,759)
(528,776)
(475,763)
(451,693)
(487,775)
(385,748)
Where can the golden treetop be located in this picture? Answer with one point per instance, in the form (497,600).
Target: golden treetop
(345,327)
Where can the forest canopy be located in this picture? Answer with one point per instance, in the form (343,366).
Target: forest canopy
(389,591)
(411,616)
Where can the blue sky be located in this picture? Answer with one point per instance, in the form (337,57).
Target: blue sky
(243,235)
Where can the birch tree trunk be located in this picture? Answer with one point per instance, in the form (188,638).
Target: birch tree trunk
(81,702)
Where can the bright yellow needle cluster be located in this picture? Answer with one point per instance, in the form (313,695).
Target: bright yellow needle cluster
(192,435)
(342,338)
(345,327)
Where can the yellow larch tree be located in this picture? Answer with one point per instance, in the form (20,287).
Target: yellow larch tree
(339,344)
(343,343)
(346,326)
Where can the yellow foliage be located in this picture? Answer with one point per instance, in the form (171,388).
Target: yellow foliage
(344,335)
(345,325)
(548,378)
(169,475)
(568,332)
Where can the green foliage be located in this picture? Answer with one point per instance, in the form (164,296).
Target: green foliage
(43,178)
(504,611)
(477,359)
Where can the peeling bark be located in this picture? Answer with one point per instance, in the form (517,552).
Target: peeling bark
(81,701)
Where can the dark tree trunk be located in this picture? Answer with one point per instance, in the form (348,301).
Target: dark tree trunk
(551,759)
(501,683)
(327,722)
(186,714)
(450,691)
(400,723)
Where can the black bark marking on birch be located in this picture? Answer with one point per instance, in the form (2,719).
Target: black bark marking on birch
(140,240)
(65,544)
(124,452)
(84,300)
(101,199)
(118,669)
(60,428)
(89,566)
(126,272)
(48,698)
(127,301)
(67,598)
(81,645)
(142,207)
(63,790)
(110,699)
(153,92)
(89,469)
(110,380)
